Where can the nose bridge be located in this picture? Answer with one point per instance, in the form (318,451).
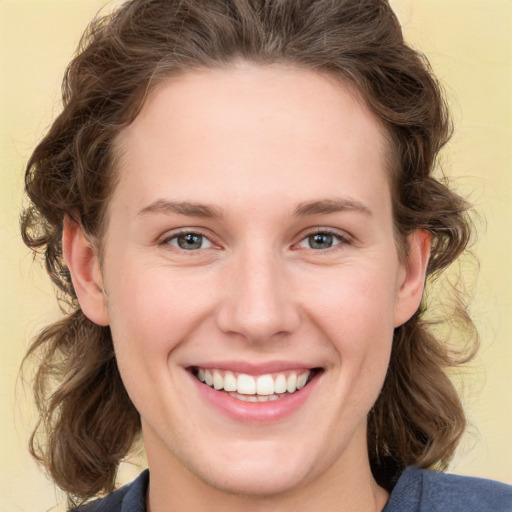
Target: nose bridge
(258,304)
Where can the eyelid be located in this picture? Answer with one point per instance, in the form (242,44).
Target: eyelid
(343,236)
(176,233)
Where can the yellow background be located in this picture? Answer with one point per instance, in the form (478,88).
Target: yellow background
(470,46)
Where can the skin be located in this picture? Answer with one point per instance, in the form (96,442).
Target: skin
(255,145)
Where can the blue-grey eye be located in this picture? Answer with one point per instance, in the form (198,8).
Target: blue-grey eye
(190,241)
(321,241)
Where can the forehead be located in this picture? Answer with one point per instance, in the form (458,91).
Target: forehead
(260,127)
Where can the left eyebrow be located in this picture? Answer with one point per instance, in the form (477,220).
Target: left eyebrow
(325,206)
(182,208)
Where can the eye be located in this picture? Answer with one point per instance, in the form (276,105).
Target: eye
(321,240)
(189,241)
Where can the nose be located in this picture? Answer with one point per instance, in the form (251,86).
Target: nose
(258,300)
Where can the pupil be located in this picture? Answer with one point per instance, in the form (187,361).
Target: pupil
(190,241)
(320,241)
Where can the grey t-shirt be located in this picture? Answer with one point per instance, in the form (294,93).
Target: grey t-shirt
(416,490)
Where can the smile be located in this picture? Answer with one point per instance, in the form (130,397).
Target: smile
(249,388)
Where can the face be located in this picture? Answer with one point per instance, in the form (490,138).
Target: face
(252,276)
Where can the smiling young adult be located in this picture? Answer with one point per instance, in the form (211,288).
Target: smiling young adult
(238,201)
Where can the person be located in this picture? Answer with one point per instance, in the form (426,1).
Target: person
(238,205)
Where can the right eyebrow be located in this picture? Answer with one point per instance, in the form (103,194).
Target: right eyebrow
(332,205)
(187,208)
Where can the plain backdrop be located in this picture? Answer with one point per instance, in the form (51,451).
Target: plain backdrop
(469,43)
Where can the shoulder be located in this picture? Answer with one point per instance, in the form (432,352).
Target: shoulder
(129,498)
(420,490)
(466,493)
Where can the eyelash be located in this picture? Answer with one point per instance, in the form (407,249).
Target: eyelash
(175,237)
(341,240)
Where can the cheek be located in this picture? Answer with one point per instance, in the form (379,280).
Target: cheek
(356,313)
(356,298)
(149,318)
(150,313)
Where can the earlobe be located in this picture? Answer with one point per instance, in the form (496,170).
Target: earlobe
(82,260)
(411,281)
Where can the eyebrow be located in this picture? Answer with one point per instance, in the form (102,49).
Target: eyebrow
(316,207)
(325,206)
(182,208)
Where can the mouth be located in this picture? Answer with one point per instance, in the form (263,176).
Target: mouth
(267,387)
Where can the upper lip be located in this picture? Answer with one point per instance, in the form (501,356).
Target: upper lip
(252,368)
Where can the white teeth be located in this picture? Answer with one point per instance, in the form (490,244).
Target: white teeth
(301,381)
(262,388)
(246,385)
(229,382)
(265,385)
(254,398)
(280,384)
(291,383)
(218,381)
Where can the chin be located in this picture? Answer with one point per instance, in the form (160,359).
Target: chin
(255,481)
(256,468)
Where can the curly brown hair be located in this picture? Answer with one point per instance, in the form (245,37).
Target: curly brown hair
(87,423)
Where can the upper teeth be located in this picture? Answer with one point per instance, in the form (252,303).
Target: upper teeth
(250,385)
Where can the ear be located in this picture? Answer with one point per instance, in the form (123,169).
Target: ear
(411,276)
(81,258)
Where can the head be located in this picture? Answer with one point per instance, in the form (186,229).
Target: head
(124,63)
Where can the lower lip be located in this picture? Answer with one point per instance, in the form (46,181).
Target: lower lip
(258,413)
